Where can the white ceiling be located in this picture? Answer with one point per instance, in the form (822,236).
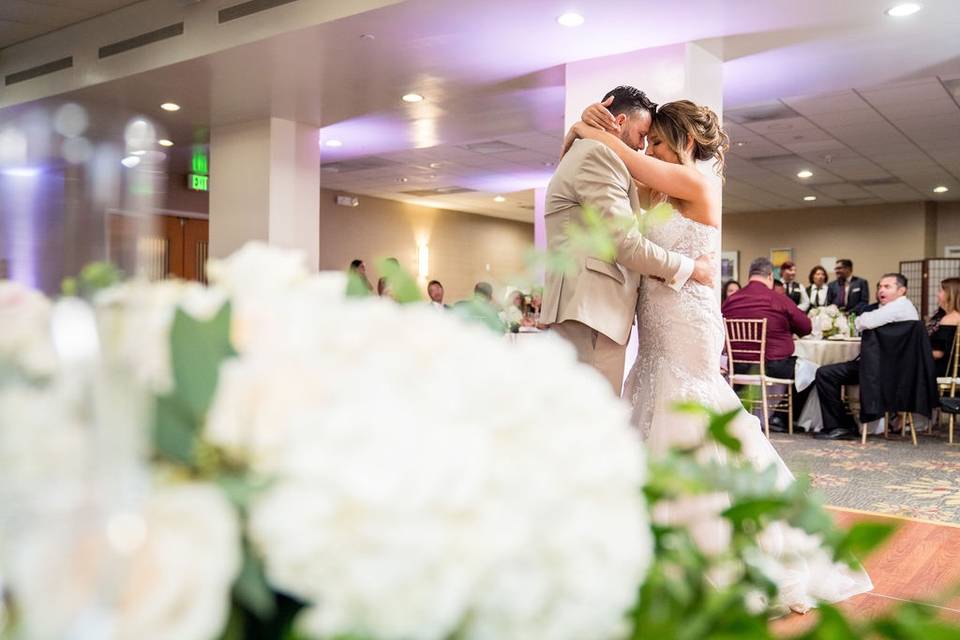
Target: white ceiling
(876,94)
(25,19)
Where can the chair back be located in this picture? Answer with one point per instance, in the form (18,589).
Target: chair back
(746,344)
(897,371)
(953,368)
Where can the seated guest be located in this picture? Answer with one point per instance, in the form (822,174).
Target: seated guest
(480,308)
(383,284)
(435,292)
(757,301)
(817,293)
(359,269)
(730,287)
(943,326)
(848,292)
(793,289)
(512,314)
(894,307)
(778,287)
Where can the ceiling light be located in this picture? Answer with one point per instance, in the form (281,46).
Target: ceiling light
(412,97)
(806,173)
(940,189)
(333,143)
(903,9)
(499,199)
(742,143)
(165,143)
(570,20)
(809,198)
(137,153)
(435,165)
(401,180)
(170,106)
(130,161)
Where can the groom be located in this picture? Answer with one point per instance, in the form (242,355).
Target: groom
(593,307)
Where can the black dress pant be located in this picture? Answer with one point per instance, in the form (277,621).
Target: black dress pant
(787,369)
(830,380)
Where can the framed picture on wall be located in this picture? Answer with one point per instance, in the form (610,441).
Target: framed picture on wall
(729,265)
(779,256)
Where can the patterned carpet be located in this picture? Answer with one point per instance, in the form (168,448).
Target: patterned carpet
(886,476)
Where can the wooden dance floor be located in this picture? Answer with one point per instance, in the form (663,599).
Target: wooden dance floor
(919,562)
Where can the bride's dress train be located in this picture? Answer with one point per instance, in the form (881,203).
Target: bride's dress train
(681,339)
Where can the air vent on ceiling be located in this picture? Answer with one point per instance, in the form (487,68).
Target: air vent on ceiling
(170,31)
(439,191)
(40,70)
(357,164)
(248,8)
(760,113)
(876,182)
(492,146)
(777,159)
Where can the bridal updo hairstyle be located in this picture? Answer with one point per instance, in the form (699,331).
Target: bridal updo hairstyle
(674,121)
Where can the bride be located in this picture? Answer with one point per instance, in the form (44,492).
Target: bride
(682,333)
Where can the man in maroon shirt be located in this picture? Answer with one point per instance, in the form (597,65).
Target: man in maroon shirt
(758,300)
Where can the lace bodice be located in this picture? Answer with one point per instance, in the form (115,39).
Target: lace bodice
(683,235)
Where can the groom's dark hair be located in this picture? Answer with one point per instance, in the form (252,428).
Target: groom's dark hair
(629,99)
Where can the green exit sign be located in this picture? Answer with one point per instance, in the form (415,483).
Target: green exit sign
(197,182)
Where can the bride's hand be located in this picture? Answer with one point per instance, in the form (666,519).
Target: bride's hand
(597,115)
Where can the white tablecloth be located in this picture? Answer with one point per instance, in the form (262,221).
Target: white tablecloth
(823,352)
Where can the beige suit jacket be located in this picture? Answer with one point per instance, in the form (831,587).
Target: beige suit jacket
(599,294)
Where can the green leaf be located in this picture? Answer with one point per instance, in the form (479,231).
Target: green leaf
(356,286)
(198,347)
(251,589)
(174,431)
(755,509)
(862,538)
(403,286)
(480,312)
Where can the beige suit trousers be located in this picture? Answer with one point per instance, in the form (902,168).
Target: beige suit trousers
(595,349)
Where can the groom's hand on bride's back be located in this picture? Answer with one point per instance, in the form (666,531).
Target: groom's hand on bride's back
(705,270)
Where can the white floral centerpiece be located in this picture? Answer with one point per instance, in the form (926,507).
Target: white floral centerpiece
(393,492)
(829,321)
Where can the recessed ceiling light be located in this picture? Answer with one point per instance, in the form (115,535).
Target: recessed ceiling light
(435,165)
(170,106)
(903,9)
(570,20)
(940,189)
(130,161)
(137,153)
(499,199)
(806,173)
(742,143)
(401,179)
(333,143)
(412,97)
(165,143)
(809,198)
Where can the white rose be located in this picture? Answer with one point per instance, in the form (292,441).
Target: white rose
(184,556)
(257,268)
(701,516)
(25,338)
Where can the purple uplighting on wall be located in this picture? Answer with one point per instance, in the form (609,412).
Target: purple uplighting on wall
(31,224)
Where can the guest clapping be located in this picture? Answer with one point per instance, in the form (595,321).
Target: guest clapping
(818,291)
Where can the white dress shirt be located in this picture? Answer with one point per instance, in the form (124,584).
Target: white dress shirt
(897,310)
(804,303)
(818,295)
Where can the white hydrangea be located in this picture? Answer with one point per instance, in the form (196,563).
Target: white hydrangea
(135,320)
(172,571)
(25,343)
(430,477)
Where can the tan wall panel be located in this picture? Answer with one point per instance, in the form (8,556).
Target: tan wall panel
(876,238)
(460,244)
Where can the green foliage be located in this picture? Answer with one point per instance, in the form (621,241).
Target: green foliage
(402,285)
(479,311)
(92,278)
(356,285)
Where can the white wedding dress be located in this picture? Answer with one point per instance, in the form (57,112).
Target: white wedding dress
(681,337)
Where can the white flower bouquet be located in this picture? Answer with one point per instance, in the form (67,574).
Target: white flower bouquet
(829,321)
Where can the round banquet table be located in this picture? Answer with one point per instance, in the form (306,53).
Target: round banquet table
(823,352)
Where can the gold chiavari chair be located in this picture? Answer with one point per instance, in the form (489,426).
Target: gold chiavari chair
(751,339)
(948,388)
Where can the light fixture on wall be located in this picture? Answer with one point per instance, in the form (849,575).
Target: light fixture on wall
(424,259)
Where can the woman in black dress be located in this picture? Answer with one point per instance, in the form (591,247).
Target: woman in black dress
(943,325)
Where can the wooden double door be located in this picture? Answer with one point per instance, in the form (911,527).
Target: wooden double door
(159,246)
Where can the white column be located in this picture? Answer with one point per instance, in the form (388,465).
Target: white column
(265,185)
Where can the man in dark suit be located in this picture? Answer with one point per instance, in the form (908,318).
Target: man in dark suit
(758,300)
(848,292)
